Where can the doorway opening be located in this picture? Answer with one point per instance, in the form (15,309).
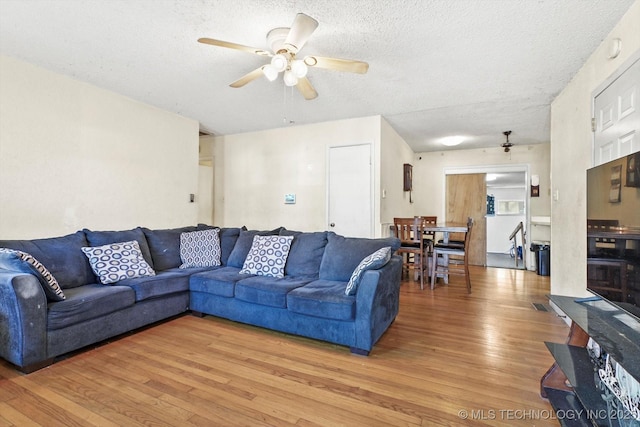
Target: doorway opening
(508,192)
(508,186)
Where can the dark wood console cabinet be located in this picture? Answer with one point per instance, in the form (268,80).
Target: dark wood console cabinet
(572,384)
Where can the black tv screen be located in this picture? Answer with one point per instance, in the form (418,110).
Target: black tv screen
(613,232)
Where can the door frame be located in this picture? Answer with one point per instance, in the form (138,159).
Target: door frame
(486,169)
(372,163)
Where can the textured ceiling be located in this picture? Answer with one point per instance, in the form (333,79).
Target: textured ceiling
(437,67)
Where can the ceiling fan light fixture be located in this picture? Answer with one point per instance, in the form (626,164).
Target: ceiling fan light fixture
(270,73)
(279,62)
(290,79)
(299,68)
(285,43)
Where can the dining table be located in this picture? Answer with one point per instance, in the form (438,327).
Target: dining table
(446,229)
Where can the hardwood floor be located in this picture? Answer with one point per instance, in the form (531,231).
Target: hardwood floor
(449,359)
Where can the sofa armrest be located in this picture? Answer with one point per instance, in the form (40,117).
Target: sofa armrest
(23,319)
(377,302)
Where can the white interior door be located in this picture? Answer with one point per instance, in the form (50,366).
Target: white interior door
(617,130)
(350,191)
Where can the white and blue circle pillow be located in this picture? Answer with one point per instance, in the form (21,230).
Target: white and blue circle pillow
(117,261)
(267,256)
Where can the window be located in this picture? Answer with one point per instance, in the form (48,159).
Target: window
(510,207)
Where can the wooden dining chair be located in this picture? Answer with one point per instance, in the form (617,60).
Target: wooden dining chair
(455,258)
(412,249)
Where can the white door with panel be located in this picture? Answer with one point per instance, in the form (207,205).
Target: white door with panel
(617,117)
(350,204)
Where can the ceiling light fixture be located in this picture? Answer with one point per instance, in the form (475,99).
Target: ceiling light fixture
(299,68)
(289,78)
(279,62)
(294,69)
(451,141)
(270,73)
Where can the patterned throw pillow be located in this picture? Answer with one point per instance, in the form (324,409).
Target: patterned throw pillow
(118,261)
(376,260)
(25,263)
(200,248)
(267,256)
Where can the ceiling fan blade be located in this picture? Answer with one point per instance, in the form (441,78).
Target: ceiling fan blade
(248,78)
(235,46)
(301,29)
(348,65)
(306,89)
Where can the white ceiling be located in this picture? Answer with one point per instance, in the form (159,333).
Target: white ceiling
(437,67)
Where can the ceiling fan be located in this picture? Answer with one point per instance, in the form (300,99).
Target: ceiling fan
(285,43)
(507,145)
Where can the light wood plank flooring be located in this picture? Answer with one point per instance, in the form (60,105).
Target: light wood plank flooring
(449,359)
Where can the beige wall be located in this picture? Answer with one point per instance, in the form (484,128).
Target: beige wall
(73,156)
(394,202)
(571,156)
(253,172)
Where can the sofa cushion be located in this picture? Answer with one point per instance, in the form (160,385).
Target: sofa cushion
(117,261)
(343,254)
(243,245)
(23,262)
(200,248)
(164,246)
(88,302)
(62,256)
(101,238)
(305,254)
(163,283)
(221,281)
(228,239)
(267,256)
(323,298)
(376,260)
(265,290)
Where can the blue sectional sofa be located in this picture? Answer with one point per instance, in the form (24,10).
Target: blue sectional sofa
(36,325)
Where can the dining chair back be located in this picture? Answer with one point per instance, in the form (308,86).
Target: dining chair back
(410,232)
(455,258)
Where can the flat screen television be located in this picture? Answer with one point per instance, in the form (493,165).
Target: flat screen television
(613,232)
